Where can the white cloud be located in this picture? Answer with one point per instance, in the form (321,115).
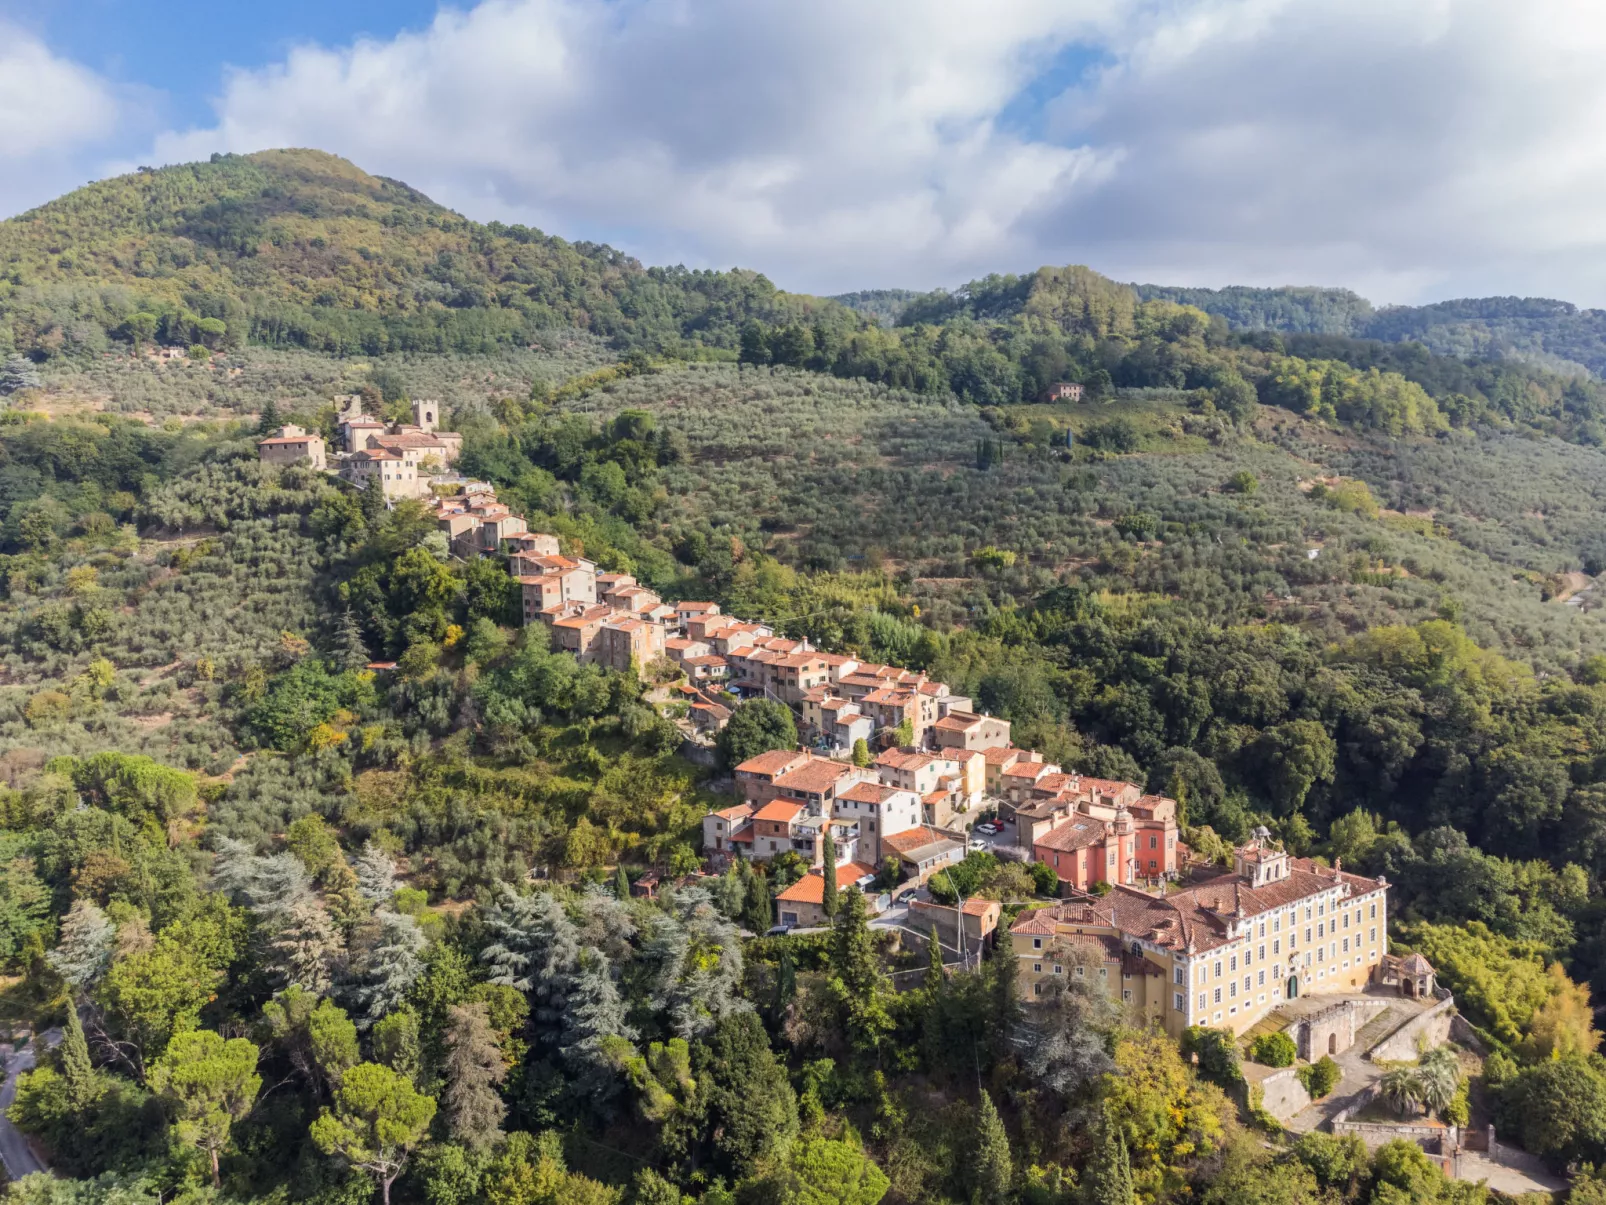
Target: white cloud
(51,110)
(1411,150)
(827,142)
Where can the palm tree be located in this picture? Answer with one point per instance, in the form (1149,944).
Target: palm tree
(1438,1075)
(1402,1088)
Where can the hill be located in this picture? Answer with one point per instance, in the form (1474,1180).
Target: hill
(1555,334)
(301,248)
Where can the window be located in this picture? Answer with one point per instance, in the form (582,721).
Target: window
(1263,930)
(1059,970)
(1260,980)
(1104,972)
(1261,953)
(1276,946)
(1246,985)
(1232,989)
(1201,1001)
(1037,943)
(1346,945)
(1276,924)
(1374,912)
(1081,972)
(1321,930)
(1037,968)
(1177,1001)
(1154,842)
(1218,969)
(1126,994)
(1307,933)
(1179,975)
(1233,962)
(1037,989)
(1371,934)
(1218,998)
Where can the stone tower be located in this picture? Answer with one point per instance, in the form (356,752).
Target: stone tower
(426,415)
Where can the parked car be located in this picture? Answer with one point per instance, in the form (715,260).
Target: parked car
(989,827)
(778,931)
(977,843)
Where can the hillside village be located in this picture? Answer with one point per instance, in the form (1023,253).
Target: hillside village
(1189,944)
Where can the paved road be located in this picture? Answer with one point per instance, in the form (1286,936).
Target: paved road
(14,1149)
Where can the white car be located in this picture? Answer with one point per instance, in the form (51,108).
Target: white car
(977,843)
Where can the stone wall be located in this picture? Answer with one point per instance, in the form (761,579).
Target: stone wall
(1430,1029)
(1434,1139)
(1281,1094)
(1332,1030)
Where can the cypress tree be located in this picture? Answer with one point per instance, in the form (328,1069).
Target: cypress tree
(76,1068)
(621,885)
(934,976)
(785,980)
(830,898)
(991,1170)
(759,911)
(1109,1175)
(1005,993)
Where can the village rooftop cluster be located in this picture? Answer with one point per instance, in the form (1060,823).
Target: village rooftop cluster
(1219,949)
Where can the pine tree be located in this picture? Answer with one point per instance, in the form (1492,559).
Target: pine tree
(621,885)
(990,1169)
(1109,1176)
(18,373)
(350,650)
(376,875)
(85,950)
(594,1029)
(269,419)
(473,1068)
(829,901)
(396,1042)
(389,967)
(76,1068)
(305,948)
(268,886)
(934,975)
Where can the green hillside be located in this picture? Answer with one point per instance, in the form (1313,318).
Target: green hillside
(301,248)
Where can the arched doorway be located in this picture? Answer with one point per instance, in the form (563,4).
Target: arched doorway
(1332,1043)
(1293,986)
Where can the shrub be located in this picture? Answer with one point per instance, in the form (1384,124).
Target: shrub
(1216,1051)
(1273,1050)
(1320,1078)
(1044,878)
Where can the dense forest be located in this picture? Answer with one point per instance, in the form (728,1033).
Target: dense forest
(312,932)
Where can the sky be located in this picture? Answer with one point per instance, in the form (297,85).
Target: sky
(1413,150)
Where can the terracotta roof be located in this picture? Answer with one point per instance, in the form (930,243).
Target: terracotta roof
(289,439)
(590,615)
(1198,916)
(1075,834)
(975,907)
(693,607)
(958,721)
(920,842)
(740,812)
(868,792)
(1002,756)
(776,761)
(906,759)
(782,811)
(815,776)
(810,889)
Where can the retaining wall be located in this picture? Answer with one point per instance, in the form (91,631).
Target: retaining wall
(1430,1029)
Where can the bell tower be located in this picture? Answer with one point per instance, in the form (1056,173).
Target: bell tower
(426,415)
